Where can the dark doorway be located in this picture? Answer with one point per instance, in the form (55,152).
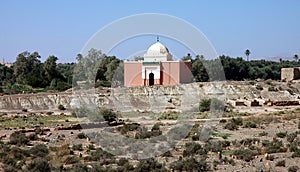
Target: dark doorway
(151,79)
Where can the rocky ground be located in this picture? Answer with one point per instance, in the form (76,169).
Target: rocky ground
(244,138)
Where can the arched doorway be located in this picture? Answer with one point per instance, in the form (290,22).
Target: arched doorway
(151,79)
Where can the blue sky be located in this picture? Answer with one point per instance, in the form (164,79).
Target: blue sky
(269,28)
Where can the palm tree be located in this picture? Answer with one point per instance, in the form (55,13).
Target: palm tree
(247,52)
(296,57)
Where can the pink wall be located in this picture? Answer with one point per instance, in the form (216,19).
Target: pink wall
(172,73)
(133,74)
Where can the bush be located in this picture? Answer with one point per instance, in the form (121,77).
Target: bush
(18,138)
(234,123)
(245,154)
(169,115)
(81,136)
(39,164)
(280,163)
(33,136)
(78,147)
(72,160)
(263,133)
(291,137)
(61,107)
(193,148)
(128,127)
(250,125)
(190,164)
(204,105)
(293,168)
(211,104)
(275,146)
(281,134)
(39,151)
(108,115)
(149,165)
(296,153)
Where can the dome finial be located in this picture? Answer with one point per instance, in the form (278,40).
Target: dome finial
(157,38)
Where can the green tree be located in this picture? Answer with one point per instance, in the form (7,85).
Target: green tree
(28,69)
(296,57)
(49,67)
(198,69)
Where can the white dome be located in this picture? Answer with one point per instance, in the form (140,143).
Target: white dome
(157,48)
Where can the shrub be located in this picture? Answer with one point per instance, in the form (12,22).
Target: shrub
(296,153)
(39,164)
(275,146)
(281,134)
(61,107)
(72,160)
(299,125)
(280,163)
(108,115)
(250,125)
(39,150)
(245,154)
(169,115)
(293,168)
(81,136)
(149,165)
(190,164)
(128,127)
(263,133)
(18,138)
(291,137)
(18,153)
(204,105)
(78,147)
(192,148)
(143,133)
(208,104)
(234,123)
(33,136)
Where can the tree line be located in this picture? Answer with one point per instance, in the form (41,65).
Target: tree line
(29,74)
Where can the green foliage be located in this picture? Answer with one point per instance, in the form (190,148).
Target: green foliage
(169,115)
(192,148)
(281,134)
(204,105)
(234,123)
(245,154)
(17,88)
(39,150)
(190,164)
(142,133)
(211,104)
(18,138)
(150,165)
(39,164)
(128,127)
(296,153)
(108,115)
(293,168)
(280,163)
(275,146)
(81,135)
(78,147)
(250,124)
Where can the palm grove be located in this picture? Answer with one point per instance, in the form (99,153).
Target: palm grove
(29,74)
